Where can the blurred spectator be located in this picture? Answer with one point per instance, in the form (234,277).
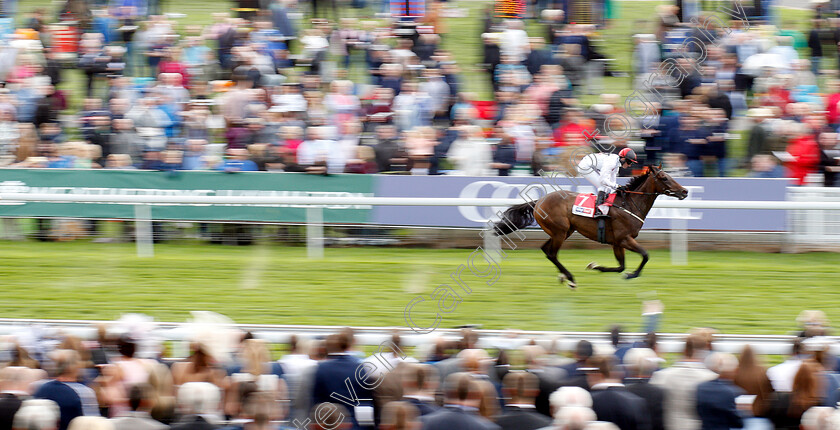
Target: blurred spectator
(765,166)
(675,165)
(198,403)
(462,396)
(330,376)
(14,382)
(419,383)
(37,414)
(200,367)
(399,416)
(751,377)
(64,389)
(583,352)
(829,158)
(805,392)
(520,390)
(782,375)
(138,417)
(804,154)
(574,418)
(680,383)
(819,418)
(470,154)
(611,401)
(640,363)
(716,398)
(91,423)
(236,160)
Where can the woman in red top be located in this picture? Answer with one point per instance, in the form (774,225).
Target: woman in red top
(832,111)
(806,155)
(572,131)
(171,63)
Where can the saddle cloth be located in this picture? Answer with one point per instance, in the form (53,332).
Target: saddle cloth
(585,205)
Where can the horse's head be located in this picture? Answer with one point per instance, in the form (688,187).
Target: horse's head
(665,184)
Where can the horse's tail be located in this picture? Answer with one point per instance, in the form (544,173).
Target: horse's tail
(515,218)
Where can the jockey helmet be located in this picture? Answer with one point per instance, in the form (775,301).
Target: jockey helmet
(628,155)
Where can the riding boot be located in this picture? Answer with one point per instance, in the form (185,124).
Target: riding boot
(602,195)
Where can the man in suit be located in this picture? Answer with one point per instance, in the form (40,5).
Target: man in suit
(520,413)
(716,398)
(460,411)
(639,363)
(455,364)
(548,377)
(13,383)
(419,383)
(610,399)
(583,352)
(335,380)
(138,418)
(575,377)
(199,402)
(680,383)
(538,57)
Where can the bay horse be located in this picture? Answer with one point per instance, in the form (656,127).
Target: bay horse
(553,213)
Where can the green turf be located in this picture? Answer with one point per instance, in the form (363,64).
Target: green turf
(737,292)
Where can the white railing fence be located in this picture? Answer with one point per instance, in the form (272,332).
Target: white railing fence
(815,212)
(814,229)
(371,336)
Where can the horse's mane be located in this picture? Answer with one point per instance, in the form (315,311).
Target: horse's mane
(637,181)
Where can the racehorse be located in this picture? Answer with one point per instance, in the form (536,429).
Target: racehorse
(553,213)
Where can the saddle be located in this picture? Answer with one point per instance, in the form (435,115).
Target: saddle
(585,205)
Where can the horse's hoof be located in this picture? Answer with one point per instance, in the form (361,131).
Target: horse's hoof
(591,266)
(572,285)
(628,276)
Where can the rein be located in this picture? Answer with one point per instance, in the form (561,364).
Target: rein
(642,220)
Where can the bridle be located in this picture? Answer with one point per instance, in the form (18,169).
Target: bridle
(636,206)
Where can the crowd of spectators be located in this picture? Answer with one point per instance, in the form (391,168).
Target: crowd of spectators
(231,381)
(272,90)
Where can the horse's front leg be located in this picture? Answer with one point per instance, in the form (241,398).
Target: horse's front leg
(634,246)
(618,250)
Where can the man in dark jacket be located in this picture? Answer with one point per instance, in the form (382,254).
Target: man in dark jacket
(640,363)
(460,411)
(815,44)
(538,57)
(336,378)
(389,155)
(611,401)
(520,413)
(716,398)
(419,382)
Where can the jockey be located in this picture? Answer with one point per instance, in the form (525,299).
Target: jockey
(601,170)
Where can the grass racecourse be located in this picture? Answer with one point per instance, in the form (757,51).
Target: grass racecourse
(736,292)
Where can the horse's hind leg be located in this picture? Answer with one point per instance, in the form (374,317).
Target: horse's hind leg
(634,246)
(550,248)
(618,250)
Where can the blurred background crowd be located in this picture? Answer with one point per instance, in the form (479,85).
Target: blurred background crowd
(280,87)
(122,379)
